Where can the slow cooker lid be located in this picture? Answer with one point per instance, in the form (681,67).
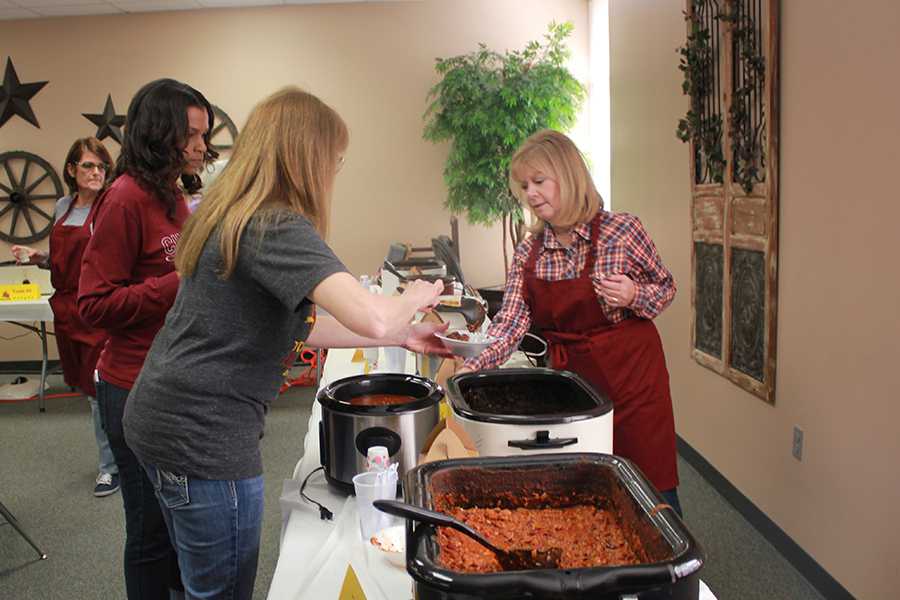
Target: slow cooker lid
(525,396)
(338,395)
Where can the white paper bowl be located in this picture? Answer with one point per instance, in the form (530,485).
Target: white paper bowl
(392,542)
(467,349)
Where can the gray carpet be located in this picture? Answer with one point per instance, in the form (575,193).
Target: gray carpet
(48,464)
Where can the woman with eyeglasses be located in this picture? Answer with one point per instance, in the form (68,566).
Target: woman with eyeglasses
(85,174)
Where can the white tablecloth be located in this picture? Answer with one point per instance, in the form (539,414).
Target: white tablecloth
(26,310)
(314,553)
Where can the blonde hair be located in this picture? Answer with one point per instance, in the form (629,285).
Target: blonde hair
(285,158)
(556,156)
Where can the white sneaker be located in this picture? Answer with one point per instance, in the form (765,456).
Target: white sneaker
(107,483)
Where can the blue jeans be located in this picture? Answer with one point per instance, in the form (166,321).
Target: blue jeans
(107,460)
(215,526)
(151,567)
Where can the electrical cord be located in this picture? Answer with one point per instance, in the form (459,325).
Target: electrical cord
(324,513)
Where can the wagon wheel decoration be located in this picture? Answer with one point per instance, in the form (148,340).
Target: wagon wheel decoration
(223,132)
(29,188)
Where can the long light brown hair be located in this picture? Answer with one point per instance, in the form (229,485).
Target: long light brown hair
(556,156)
(285,158)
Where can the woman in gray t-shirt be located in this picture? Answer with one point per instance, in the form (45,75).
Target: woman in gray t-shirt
(254,266)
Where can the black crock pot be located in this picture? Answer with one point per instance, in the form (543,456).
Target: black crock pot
(347,431)
(675,556)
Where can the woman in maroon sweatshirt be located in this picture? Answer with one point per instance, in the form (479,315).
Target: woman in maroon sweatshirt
(128,283)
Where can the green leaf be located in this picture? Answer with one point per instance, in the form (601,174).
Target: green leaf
(486,104)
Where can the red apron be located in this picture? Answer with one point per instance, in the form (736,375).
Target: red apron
(624,360)
(79,345)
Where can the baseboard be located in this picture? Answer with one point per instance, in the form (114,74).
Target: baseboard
(818,577)
(27,366)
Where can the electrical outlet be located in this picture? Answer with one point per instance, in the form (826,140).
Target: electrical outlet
(797,448)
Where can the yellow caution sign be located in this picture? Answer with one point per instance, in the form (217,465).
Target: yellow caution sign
(351,589)
(20,291)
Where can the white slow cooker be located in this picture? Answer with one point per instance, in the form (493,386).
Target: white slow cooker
(522,411)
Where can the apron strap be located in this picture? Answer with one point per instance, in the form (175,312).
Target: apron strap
(588,269)
(531,263)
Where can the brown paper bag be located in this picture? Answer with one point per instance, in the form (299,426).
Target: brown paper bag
(447,440)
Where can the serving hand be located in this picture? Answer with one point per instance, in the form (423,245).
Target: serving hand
(424,294)
(420,338)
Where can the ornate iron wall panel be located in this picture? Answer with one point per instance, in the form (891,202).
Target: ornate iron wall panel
(748,304)
(730,63)
(708,300)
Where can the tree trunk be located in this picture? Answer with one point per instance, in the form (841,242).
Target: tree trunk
(505,253)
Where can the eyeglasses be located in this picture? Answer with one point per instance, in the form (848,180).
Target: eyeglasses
(90,166)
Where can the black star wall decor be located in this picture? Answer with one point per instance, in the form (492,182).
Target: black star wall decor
(14,96)
(108,123)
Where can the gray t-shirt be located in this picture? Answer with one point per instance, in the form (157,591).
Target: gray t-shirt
(76,218)
(199,404)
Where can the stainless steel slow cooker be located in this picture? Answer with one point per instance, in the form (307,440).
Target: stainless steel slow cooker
(347,430)
(530,411)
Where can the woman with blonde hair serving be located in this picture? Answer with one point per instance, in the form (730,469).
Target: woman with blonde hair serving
(254,266)
(591,281)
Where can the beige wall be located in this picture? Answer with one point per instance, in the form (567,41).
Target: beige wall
(374,62)
(839,287)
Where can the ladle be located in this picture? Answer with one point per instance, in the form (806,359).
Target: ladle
(471,309)
(513,559)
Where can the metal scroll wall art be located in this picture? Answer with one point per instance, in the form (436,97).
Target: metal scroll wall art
(730,67)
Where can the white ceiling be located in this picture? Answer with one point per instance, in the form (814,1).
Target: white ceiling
(35,9)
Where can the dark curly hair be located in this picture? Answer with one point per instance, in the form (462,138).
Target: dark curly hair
(156,128)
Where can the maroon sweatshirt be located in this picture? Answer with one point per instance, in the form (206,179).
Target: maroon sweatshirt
(128,280)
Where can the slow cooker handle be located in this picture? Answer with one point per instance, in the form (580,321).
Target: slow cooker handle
(560,583)
(323,449)
(542,441)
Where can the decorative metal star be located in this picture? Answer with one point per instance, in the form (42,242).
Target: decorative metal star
(108,123)
(14,96)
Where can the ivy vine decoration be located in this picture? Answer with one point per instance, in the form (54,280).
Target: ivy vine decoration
(746,135)
(703,127)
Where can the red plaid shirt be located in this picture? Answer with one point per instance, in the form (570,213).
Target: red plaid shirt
(623,247)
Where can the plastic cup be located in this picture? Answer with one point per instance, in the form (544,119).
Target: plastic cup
(371,356)
(371,486)
(427,365)
(395,359)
